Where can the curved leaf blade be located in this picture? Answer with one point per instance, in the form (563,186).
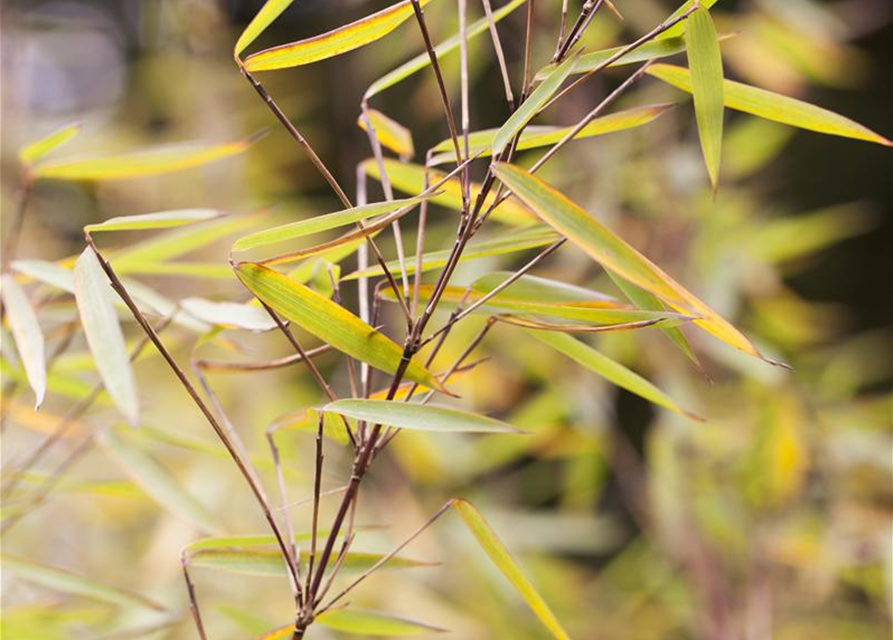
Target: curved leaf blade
(404,415)
(390,133)
(33,152)
(705,61)
(271,10)
(160,220)
(27,334)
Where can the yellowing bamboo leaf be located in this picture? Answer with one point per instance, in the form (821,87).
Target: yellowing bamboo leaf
(96,307)
(267,14)
(36,150)
(329,321)
(404,415)
(160,220)
(390,133)
(774,106)
(500,556)
(148,162)
(308,421)
(268,561)
(372,623)
(231,315)
(615,254)
(341,40)
(705,61)
(28,336)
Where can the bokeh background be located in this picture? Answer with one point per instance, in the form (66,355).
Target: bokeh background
(772,519)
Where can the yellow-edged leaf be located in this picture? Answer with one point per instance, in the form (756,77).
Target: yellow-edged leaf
(27,334)
(404,415)
(267,14)
(33,152)
(160,220)
(390,133)
(705,62)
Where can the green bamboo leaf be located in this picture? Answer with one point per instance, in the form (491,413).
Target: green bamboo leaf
(308,421)
(158,483)
(147,162)
(36,150)
(774,106)
(96,306)
(70,583)
(678,29)
(500,556)
(231,315)
(422,60)
(372,623)
(329,321)
(27,334)
(390,133)
(267,561)
(410,178)
(405,415)
(610,370)
(160,220)
(648,51)
(271,10)
(705,61)
(615,254)
(333,43)
(246,541)
(325,222)
(530,107)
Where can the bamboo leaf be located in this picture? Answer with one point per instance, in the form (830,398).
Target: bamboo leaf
(268,561)
(333,43)
(610,370)
(677,29)
(390,133)
(329,321)
(325,222)
(271,10)
(96,306)
(616,255)
(449,45)
(500,556)
(774,106)
(70,583)
(147,162)
(372,623)
(160,220)
(231,315)
(36,150)
(705,61)
(27,334)
(648,51)
(405,415)
(530,107)
(159,483)
(308,421)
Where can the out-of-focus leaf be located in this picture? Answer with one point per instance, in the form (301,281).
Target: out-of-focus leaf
(447,46)
(209,270)
(333,43)
(308,420)
(410,178)
(148,162)
(267,14)
(96,307)
(705,62)
(66,582)
(33,152)
(229,314)
(257,561)
(390,133)
(616,255)
(329,321)
(677,29)
(160,220)
(751,144)
(47,272)
(405,415)
(531,106)
(156,481)
(774,106)
(500,556)
(325,222)
(28,336)
(373,623)
(305,270)
(63,385)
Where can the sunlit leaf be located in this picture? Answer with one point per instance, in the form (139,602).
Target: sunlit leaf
(161,220)
(405,415)
(500,556)
(28,336)
(260,561)
(96,307)
(308,421)
(390,133)
(329,321)
(267,14)
(333,43)
(229,314)
(148,162)
(705,62)
(36,150)
(677,29)
(774,106)
(615,254)
(373,623)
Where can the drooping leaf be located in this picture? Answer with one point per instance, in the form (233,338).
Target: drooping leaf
(449,45)
(267,561)
(329,321)
(33,152)
(155,479)
(96,307)
(500,556)
(390,133)
(271,10)
(615,254)
(70,583)
(229,314)
(705,61)
(530,107)
(148,162)
(28,336)
(404,415)
(341,40)
(774,106)
(160,220)
(609,369)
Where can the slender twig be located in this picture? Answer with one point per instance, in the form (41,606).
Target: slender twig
(194,609)
(219,366)
(500,55)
